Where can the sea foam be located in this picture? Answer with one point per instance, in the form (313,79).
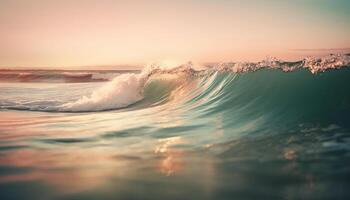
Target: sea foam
(122,91)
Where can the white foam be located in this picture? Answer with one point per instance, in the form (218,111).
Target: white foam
(313,64)
(122,91)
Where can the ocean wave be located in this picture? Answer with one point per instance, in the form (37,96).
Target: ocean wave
(53,76)
(128,89)
(159,84)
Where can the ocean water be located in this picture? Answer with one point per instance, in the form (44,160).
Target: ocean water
(266,130)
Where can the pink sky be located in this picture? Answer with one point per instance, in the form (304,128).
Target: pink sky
(45,33)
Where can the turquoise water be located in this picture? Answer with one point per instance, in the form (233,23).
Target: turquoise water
(212,134)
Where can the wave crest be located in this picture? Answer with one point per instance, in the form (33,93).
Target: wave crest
(314,65)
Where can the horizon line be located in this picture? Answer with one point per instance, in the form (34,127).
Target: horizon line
(141,66)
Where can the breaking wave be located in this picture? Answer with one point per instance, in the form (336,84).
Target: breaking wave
(217,86)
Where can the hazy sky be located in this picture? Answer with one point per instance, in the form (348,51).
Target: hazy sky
(65,33)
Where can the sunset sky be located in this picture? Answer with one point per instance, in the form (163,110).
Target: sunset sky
(68,33)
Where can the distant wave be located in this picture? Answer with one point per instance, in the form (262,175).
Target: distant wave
(52,76)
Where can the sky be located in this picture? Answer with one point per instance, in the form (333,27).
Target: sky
(73,34)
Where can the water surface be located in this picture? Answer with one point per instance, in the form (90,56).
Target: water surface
(183,134)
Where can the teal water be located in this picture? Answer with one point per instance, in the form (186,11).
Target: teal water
(210,134)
